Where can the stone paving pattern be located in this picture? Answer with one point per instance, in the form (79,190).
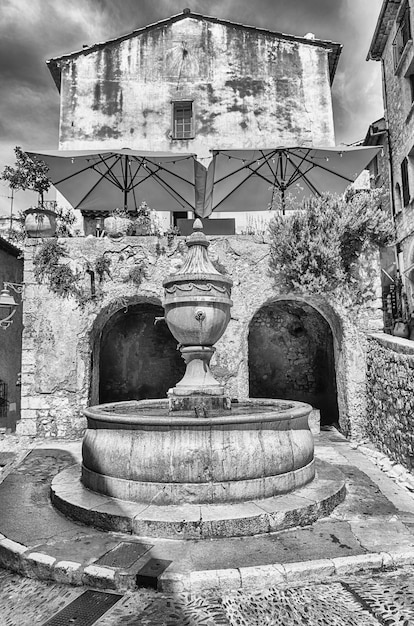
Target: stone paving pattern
(385,598)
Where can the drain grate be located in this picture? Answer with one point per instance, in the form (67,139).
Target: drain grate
(85,610)
(148,574)
(124,554)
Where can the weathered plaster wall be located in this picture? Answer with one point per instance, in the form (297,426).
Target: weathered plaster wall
(249,89)
(390,387)
(11,270)
(60,341)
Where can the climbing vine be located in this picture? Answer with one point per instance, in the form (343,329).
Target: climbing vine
(51,266)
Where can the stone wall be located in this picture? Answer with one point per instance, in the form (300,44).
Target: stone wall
(61,341)
(390,397)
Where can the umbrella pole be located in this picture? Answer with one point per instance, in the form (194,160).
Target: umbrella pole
(126,184)
(283,200)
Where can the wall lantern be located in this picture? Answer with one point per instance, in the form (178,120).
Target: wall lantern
(8,302)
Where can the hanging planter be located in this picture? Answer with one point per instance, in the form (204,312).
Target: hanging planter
(39,222)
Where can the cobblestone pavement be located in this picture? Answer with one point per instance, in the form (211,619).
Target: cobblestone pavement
(384,598)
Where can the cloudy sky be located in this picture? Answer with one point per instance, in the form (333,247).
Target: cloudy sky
(32,31)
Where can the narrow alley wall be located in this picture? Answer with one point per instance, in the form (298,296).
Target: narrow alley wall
(390,397)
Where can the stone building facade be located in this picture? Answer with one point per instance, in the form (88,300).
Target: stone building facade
(66,348)
(392,45)
(192,84)
(380,177)
(11,270)
(242,86)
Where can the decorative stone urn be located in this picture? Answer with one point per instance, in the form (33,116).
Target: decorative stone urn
(197,310)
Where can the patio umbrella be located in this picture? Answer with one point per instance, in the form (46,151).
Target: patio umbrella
(109,179)
(251,180)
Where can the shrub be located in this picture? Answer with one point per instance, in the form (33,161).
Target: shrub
(316,248)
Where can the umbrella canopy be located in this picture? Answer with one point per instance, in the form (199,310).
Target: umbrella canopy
(108,179)
(252,180)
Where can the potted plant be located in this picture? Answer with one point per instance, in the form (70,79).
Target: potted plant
(118,224)
(31,174)
(143,220)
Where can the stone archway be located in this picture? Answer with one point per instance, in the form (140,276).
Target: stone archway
(291,356)
(137,358)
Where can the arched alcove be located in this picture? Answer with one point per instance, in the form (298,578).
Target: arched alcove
(291,356)
(138,359)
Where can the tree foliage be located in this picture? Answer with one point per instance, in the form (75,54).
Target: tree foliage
(316,248)
(27,174)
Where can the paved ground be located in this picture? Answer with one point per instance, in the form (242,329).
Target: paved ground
(372,529)
(359,600)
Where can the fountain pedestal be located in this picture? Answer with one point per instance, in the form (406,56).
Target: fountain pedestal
(198,390)
(197,310)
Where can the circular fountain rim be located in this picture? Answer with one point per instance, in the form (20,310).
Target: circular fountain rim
(100,413)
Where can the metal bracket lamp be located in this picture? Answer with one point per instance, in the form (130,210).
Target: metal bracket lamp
(8,302)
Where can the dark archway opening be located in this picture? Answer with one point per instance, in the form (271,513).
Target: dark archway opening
(291,357)
(137,359)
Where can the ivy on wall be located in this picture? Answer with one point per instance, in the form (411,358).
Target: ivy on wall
(50,267)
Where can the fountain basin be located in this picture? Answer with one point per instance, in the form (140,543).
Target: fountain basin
(137,451)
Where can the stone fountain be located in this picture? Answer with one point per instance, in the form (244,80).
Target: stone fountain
(196,464)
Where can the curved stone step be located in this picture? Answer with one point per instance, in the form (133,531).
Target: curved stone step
(190,521)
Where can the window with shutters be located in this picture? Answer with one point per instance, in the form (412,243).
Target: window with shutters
(183,119)
(403,34)
(411,83)
(3,399)
(405,182)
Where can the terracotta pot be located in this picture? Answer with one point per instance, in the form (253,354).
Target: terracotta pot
(401,329)
(142,228)
(40,222)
